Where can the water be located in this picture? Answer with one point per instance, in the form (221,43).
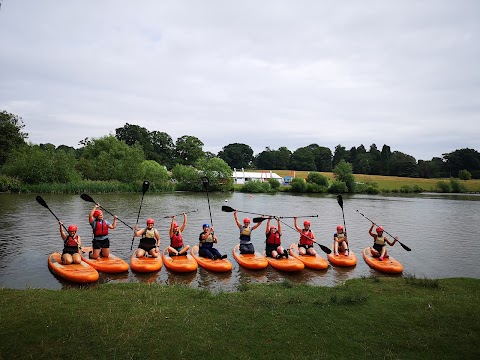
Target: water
(443,232)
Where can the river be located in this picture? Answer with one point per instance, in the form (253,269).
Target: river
(443,232)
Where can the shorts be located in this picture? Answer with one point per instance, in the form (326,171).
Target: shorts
(247,249)
(70,250)
(101,244)
(147,244)
(378,247)
(305,246)
(269,248)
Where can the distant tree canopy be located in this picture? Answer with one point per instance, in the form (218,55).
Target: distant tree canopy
(120,157)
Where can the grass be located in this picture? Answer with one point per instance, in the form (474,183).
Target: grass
(372,318)
(389,183)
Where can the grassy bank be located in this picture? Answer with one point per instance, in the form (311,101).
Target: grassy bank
(393,318)
(390,183)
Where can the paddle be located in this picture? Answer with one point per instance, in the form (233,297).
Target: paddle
(340,202)
(145,187)
(260,219)
(44,204)
(403,245)
(206,183)
(229,209)
(89,199)
(188,212)
(323,247)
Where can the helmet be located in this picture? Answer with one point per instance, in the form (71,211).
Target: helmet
(206,226)
(379,229)
(97,213)
(246,220)
(175,224)
(273,228)
(72,228)
(339,228)
(150,221)
(306,223)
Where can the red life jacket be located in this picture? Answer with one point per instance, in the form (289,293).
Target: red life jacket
(305,237)
(101,228)
(273,238)
(69,241)
(176,240)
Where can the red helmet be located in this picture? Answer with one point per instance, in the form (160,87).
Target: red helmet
(246,220)
(379,229)
(306,223)
(97,213)
(339,228)
(150,221)
(175,225)
(72,228)
(273,228)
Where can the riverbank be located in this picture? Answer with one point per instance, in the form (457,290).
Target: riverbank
(374,318)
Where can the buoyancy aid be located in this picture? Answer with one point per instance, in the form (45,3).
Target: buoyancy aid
(149,233)
(100,228)
(380,240)
(245,233)
(306,237)
(273,238)
(176,240)
(340,236)
(69,241)
(208,239)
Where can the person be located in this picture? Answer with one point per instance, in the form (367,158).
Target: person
(101,242)
(246,246)
(380,242)
(150,240)
(273,246)
(72,245)
(177,247)
(340,241)
(206,240)
(307,237)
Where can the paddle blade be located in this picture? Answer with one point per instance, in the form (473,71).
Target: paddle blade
(324,248)
(41,201)
(340,201)
(146,185)
(205,182)
(228,208)
(404,246)
(258,219)
(87,198)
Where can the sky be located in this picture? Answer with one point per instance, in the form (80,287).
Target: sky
(267,73)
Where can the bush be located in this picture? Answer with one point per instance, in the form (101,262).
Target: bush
(464,175)
(298,185)
(443,187)
(9,184)
(317,178)
(338,187)
(456,186)
(256,186)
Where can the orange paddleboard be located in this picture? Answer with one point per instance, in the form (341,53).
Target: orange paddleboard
(219,265)
(79,273)
(312,262)
(389,265)
(342,260)
(110,264)
(182,263)
(146,263)
(284,264)
(251,261)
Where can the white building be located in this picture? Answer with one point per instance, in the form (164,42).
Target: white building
(242,176)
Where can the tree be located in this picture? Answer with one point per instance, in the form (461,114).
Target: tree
(339,154)
(303,159)
(343,173)
(467,159)
(188,150)
(464,175)
(403,165)
(11,135)
(218,172)
(237,155)
(282,158)
(163,149)
(266,160)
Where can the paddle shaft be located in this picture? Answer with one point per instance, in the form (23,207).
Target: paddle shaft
(323,247)
(403,245)
(188,212)
(226,208)
(146,185)
(340,202)
(206,184)
(89,199)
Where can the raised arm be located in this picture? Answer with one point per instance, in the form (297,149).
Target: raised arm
(62,232)
(295,224)
(236,219)
(184,222)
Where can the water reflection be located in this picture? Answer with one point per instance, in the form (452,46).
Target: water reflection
(430,224)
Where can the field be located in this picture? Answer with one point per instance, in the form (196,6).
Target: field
(387,183)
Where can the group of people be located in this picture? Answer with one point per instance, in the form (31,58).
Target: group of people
(150,239)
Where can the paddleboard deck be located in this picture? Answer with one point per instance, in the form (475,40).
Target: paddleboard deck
(111,264)
(254,261)
(312,262)
(146,263)
(219,265)
(284,264)
(182,263)
(342,260)
(80,273)
(389,265)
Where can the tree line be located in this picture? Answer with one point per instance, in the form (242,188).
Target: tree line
(135,153)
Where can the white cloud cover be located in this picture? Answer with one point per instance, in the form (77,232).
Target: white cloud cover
(264,73)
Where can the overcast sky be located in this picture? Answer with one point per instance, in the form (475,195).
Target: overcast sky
(263,73)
